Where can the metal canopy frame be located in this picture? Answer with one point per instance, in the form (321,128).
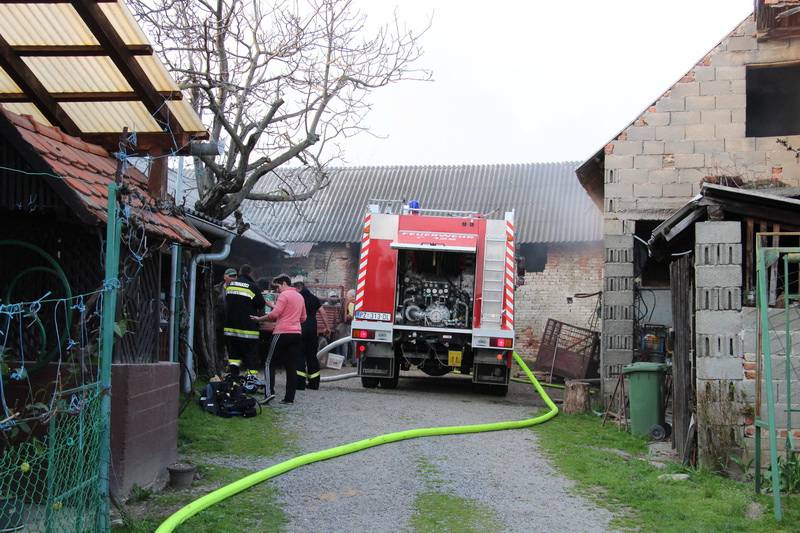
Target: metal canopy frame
(97,29)
(766,258)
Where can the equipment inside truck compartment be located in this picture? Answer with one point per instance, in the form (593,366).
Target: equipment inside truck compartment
(435,288)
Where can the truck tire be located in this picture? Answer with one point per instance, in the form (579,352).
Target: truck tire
(369,383)
(498,390)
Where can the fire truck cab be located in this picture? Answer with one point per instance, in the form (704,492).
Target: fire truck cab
(435,290)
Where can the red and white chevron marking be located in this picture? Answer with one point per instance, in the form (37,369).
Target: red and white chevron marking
(361,280)
(508,299)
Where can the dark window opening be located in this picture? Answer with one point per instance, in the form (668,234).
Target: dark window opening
(534,255)
(653,273)
(773,101)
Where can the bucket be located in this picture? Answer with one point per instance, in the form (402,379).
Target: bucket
(335,361)
(181,475)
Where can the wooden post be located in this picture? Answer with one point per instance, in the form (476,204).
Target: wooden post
(576,397)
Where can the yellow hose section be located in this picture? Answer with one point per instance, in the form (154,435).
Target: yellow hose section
(227,491)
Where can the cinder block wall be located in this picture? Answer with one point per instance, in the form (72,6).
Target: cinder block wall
(696,130)
(327,264)
(570,268)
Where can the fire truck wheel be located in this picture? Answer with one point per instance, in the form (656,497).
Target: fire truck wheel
(369,383)
(391,383)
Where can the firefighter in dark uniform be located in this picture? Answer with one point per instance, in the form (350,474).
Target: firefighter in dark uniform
(243,299)
(308,364)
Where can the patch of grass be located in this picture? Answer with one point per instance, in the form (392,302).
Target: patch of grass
(255,509)
(444,512)
(262,436)
(584,450)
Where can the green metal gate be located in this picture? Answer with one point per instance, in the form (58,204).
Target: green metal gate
(778,363)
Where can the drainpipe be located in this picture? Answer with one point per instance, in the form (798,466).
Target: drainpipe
(227,237)
(175,286)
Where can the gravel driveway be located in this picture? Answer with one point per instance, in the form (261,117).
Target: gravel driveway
(374,490)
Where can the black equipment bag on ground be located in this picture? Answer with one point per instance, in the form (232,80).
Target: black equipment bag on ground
(227,399)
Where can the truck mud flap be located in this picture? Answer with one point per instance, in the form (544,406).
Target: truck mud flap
(378,367)
(491,374)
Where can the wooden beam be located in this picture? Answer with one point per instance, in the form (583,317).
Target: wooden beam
(107,36)
(30,84)
(121,96)
(76,50)
(148,142)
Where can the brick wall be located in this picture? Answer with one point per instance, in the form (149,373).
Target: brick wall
(570,269)
(327,264)
(144,424)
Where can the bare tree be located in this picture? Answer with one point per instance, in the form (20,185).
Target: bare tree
(276,81)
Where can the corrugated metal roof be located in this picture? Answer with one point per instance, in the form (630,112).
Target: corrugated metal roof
(550,204)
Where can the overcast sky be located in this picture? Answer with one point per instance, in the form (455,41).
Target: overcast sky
(531,81)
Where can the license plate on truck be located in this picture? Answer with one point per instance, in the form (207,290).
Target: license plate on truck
(369,315)
(454,358)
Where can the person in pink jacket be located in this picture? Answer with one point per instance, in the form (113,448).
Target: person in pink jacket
(288,312)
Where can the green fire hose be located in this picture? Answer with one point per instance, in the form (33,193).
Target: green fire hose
(227,491)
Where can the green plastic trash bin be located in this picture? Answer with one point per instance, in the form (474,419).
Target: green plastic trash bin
(645,392)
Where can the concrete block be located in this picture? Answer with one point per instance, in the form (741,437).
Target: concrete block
(705,74)
(627,147)
(738,87)
(715,88)
(718,232)
(618,327)
(780,157)
(726,344)
(705,147)
(618,298)
(719,368)
(657,208)
(679,147)
(731,73)
(632,175)
(618,241)
(731,101)
(700,103)
(664,175)
(652,190)
(619,161)
(653,147)
(682,118)
(718,298)
(683,190)
(612,227)
(647,161)
(770,144)
(725,131)
(670,133)
(718,276)
(657,119)
(690,175)
(729,59)
(690,160)
(701,132)
(717,254)
(751,159)
(717,116)
(671,104)
(742,43)
(716,322)
(617,357)
(685,89)
(641,133)
(618,269)
(747,144)
(722,163)
(739,115)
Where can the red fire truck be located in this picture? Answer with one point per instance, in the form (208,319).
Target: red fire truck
(435,290)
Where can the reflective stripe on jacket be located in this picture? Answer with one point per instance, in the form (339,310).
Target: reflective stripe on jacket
(242,299)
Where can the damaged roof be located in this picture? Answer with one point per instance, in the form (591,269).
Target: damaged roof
(550,205)
(85,172)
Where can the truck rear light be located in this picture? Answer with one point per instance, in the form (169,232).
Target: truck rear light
(500,342)
(361,350)
(363,334)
